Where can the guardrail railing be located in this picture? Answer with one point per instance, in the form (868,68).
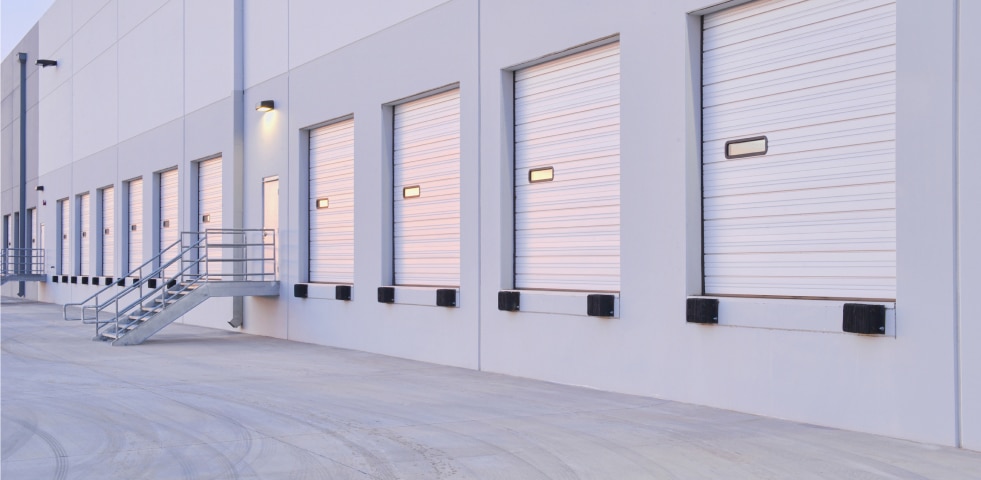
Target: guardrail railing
(210,256)
(22,261)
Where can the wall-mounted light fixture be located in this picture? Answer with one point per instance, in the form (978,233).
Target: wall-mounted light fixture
(541,175)
(746,147)
(46,63)
(323,202)
(411,192)
(265,106)
(39,188)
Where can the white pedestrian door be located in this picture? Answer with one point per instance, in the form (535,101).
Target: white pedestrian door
(134,230)
(33,265)
(427,191)
(331,203)
(798,149)
(84,239)
(209,207)
(270,221)
(108,231)
(64,238)
(567,172)
(169,211)
(32,214)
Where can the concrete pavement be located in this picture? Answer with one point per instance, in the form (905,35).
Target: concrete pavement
(197,403)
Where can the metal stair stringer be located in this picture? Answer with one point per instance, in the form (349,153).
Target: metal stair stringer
(177,304)
(138,331)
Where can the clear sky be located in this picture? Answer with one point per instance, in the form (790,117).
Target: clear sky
(16,18)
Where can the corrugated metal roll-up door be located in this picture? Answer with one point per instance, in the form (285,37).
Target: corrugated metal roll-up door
(427,191)
(108,231)
(134,208)
(809,211)
(567,172)
(84,239)
(169,211)
(331,203)
(64,237)
(209,206)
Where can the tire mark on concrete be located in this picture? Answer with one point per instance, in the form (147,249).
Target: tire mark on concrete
(60,455)
(379,466)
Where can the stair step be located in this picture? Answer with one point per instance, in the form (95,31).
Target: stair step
(165,300)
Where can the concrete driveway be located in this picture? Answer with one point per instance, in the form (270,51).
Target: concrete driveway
(196,403)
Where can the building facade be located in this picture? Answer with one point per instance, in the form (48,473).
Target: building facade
(677,199)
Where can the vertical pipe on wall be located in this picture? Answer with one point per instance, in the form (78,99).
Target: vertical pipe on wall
(958,404)
(238,147)
(22,237)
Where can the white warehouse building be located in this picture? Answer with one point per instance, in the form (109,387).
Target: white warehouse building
(770,206)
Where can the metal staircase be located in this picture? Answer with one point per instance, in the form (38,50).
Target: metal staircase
(198,266)
(22,264)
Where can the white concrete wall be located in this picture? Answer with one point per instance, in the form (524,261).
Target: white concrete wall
(969,220)
(143,86)
(440,52)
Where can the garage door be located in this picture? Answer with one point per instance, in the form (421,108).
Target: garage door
(567,172)
(331,203)
(134,208)
(108,231)
(798,128)
(169,210)
(64,237)
(427,191)
(85,240)
(209,204)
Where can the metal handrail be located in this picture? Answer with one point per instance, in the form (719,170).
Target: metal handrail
(97,308)
(13,261)
(95,296)
(194,269)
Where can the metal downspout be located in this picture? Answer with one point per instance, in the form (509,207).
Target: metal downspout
(22,238)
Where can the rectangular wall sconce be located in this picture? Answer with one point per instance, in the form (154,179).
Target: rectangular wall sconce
(323,203)
(205,218)
(85,234)
(265,106)
(536,175)
(106,231)
(746,147)
(132,228)
(411,192)
(166,224)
